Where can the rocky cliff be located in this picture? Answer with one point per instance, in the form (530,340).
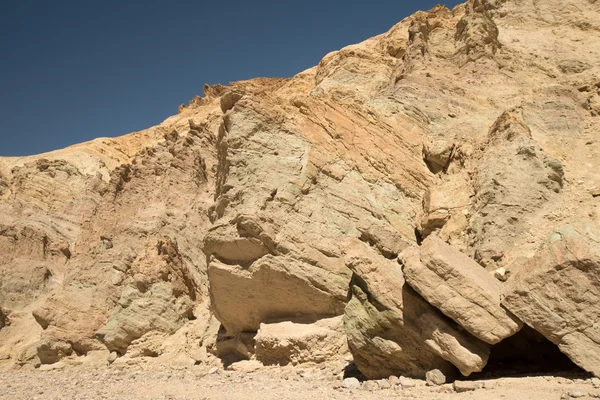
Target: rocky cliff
(409,204)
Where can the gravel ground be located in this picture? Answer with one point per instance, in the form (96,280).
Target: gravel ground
(277,384)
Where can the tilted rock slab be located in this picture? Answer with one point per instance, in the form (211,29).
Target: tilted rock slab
(392,331)
(557,292)
(460,288)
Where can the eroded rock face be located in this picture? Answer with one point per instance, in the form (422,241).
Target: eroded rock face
(515,178)
(460,288)
(556,292)
(476,125)
(109,223)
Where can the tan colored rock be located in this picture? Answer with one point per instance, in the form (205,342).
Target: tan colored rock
(465,386)
(93,225)
(444,202)
(225,243)
(274,288)
(460,288)
(438,154)
(435,377)
(287,342)
(4,321)
(382,235)
(138,314)
(393,331)
(229,99)
(45,352)
(246,366)
(556,292)
(514,180)
(297,172)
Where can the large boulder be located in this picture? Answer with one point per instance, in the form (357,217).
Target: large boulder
(460,288)
(392,331)
(272,289)
(557,292)
(287,342)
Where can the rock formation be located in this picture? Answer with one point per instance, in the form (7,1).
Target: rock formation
(556,292)
(460,288)
(367,204)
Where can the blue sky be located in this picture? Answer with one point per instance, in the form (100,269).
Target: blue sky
(71,71)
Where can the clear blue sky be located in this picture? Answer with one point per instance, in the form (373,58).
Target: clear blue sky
(74,70)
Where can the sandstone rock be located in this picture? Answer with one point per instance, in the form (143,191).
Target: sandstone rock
(501,274)
(448,388)
(4,321)
(392,331)
(407,383)
(382,235)
(556,292)
(225,243)
(45,352)
(384,384)
(435,377)
(576,393)
(438,154)
(112,357)
(351,383)
(213,371)
(246,366)
(248,205)
(487,385)
(478,31)
(460,288)
(155,310)
(229,99)
(370,386)
(465,386)
(243,298)
(287,342)
(443,202)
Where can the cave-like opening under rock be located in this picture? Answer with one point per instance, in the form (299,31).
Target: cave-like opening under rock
(528,353)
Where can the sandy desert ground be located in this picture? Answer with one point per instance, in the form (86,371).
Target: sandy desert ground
(287,383)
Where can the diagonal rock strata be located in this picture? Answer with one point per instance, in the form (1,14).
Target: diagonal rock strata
(460,288)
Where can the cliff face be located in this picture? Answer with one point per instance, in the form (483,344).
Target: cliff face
(271,203)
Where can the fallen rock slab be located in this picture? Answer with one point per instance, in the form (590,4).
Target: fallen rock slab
(460,288)
(287,342)
(557,292)
(392,331)
(435,377)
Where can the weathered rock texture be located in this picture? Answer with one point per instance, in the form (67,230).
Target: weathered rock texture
(288,201)
(287,342)
(392,330)
(557,292)
(460,288)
